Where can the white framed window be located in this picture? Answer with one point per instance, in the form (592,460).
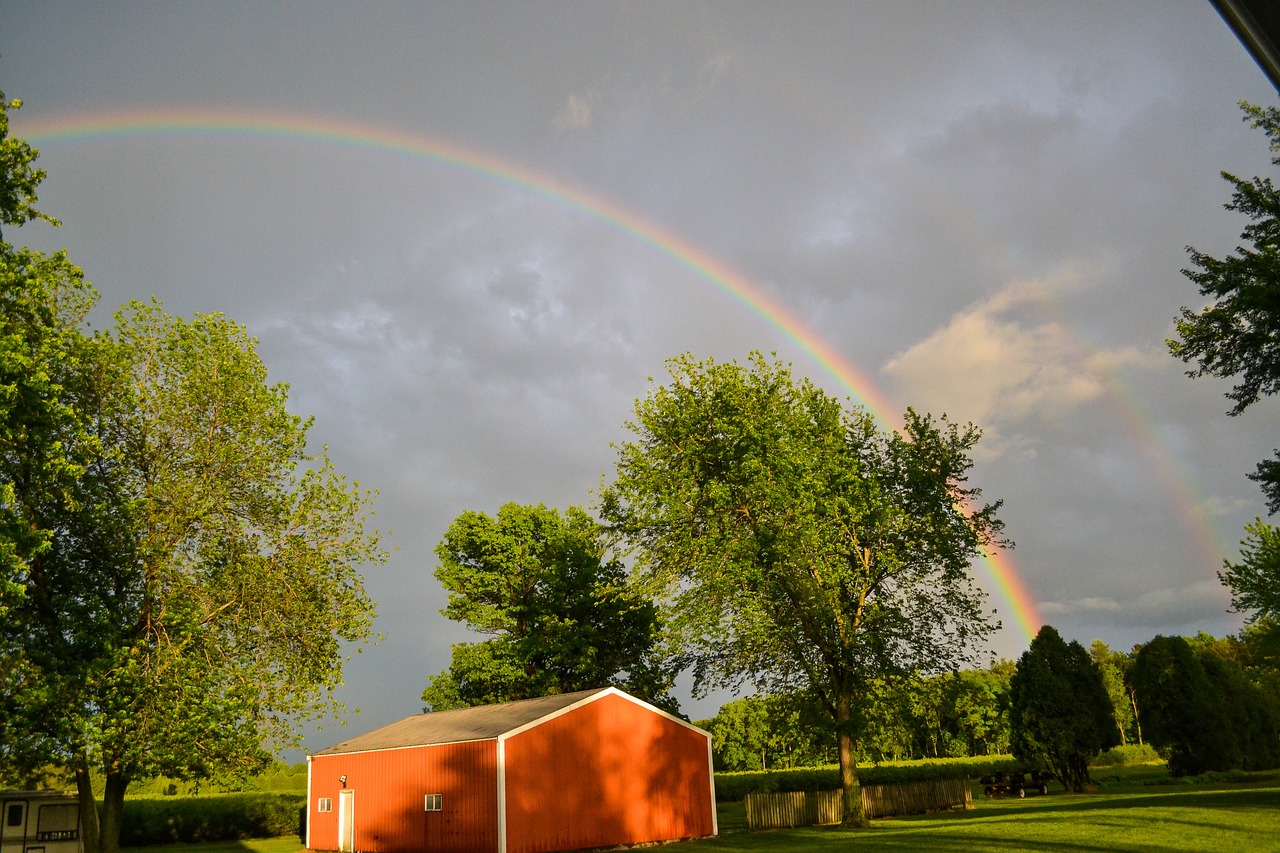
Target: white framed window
(432,802)
(324,804)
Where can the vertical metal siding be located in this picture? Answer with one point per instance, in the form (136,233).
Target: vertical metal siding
(390,787)
(610,772)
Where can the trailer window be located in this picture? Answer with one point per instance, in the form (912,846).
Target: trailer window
(432,802)
(13,815)
(58,822)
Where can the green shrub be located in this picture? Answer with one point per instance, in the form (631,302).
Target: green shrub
(1124,756)
(209,818)
(732,787)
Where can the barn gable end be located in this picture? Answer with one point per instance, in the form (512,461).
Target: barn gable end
(565,772)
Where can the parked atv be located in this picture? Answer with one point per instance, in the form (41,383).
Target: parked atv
(1016,784)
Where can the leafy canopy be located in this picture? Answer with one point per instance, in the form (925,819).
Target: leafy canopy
(18,177)
(1237,335)
(796,545)
(561,613)
(177,574)
(1060,711)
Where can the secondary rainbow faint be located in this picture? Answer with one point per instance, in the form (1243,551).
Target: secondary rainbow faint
(98,127)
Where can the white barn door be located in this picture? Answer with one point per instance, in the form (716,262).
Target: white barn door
(346,821)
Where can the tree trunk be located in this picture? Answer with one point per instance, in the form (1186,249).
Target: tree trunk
(854,816)
(88,806)
(1137,723)
(112,811)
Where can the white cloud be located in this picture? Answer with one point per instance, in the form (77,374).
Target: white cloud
(1008,360)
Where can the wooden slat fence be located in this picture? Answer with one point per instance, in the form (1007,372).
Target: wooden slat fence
(814,808)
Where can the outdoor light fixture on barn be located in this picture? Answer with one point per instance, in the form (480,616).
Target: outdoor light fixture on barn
(596,768)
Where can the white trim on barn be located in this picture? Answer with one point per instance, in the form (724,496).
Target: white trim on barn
(502,794)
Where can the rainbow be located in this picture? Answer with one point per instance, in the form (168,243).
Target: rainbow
(86,127)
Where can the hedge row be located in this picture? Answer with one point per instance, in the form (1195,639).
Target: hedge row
(216,818)
(732,787)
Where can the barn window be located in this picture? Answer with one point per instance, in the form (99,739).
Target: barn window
(325,804)
(432,802)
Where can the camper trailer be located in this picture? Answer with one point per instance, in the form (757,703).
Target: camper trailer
(39,822)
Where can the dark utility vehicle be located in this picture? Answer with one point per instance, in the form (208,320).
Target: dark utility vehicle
(1016,784)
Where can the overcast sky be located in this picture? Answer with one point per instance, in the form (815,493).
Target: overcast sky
(982,208)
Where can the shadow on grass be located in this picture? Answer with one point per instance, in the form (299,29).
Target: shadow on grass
(1245,817)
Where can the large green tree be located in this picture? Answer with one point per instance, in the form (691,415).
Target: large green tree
(798,546)
(1182,711)
(1060,712)
(561,612)
(179,573)
(1237,335)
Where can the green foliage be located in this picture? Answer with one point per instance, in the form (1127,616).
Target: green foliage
(1238,334)
(18,178)
(732,787)
(957,714)
(1060,713)
(1125,756)
(770,732)
(563,615)
(1181,710)
(201,819)
(1255,580)
(278,777)
(795,544)
(1113,666)
(177,574)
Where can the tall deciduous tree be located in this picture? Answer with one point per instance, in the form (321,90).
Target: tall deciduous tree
(1113,666)
(561,613)
(797,545)
(1181,709)
(1060,712)
(178,574)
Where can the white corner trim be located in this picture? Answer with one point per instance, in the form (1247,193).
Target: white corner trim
(711,779)
(502,794)
(306,842)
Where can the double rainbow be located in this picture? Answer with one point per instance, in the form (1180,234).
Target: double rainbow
(89,127)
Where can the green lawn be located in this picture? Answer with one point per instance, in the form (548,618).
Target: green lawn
(1210,817)
(284,844)
(1193,818)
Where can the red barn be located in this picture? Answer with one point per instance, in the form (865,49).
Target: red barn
(597,768)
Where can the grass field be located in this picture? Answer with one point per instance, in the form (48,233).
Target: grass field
(1217,818)
(1206,817)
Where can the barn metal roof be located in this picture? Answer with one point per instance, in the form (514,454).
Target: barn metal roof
(485,722)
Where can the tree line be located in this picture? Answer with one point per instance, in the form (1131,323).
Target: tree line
(1205,703)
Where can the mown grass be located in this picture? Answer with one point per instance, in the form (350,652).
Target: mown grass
(1138,809)
(1211,817)
(283,844)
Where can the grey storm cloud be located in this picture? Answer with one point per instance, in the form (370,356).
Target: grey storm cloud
(981,207)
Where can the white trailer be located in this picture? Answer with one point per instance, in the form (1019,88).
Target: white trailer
(40,822)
